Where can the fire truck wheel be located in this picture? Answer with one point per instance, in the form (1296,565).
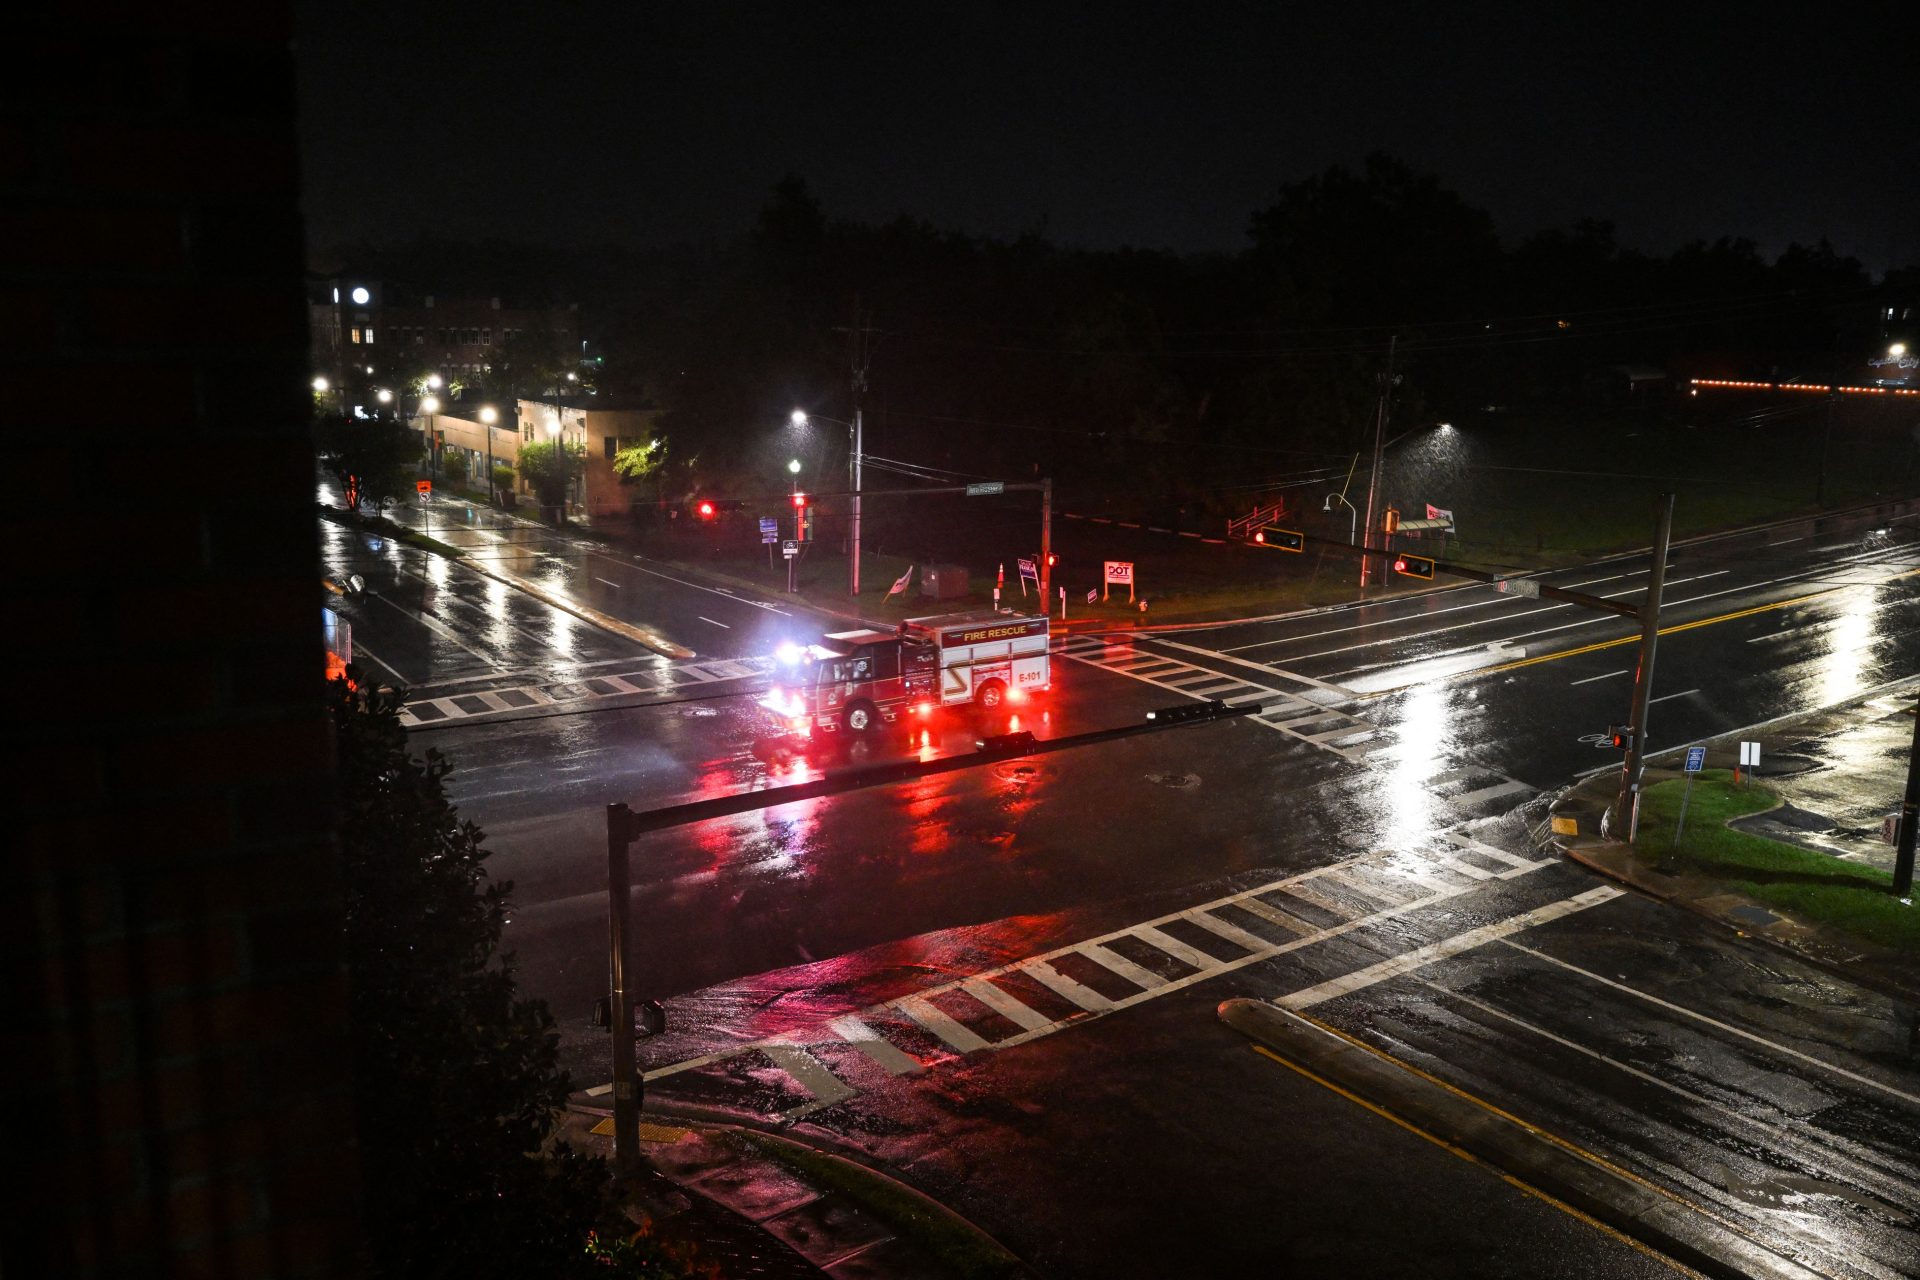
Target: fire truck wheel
(991,695)
(860,717)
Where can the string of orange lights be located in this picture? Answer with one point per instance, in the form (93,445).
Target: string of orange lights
(1803,386)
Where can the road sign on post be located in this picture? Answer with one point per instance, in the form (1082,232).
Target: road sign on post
(1028,569)
(1117,572)
(987,489)
(1696,760)
(769,529)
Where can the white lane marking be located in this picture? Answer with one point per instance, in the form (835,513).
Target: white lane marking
(1503,601)
(436,628)
(915,1005)
(1665,696)
(704,618)
(1511,786)
(1808,1058)
(360,650)
(826,1087)
(1221,929)
(877,1047)
(609,582)
(1279,673)
(1608,676)
(1061,985)
(1005,1005)
(1423,956)
(1174,947)
(1526,613)
(1274,915)
(1145,979)
(712,591)
(1498,855)
(1788,541)
(1768,1128)
(955,1035)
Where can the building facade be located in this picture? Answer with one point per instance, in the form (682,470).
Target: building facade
(355,323)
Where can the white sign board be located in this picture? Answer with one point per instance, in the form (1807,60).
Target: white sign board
(1118,572)
(1749,755)
(790,548)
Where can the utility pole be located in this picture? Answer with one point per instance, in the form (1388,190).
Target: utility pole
(862,356)
(1909,819)
(1046,542)
(1379,437)
(1626,808)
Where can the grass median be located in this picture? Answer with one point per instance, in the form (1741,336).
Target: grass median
(1848,896)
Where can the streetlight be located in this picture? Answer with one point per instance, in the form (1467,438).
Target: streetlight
(800,419)
(488,416)
(794,466)
(320,385)
(1897,350)
(430,405)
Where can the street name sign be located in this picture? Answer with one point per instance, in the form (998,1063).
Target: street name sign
(769,529)
(1518,586)
(986,489)
(1696,759)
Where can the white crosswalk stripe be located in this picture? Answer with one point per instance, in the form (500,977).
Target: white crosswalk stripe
(659,678)
(1400,881)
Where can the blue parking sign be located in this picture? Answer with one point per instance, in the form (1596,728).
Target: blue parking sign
(1696,759)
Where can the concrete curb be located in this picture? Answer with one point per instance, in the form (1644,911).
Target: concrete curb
(1579,1180)
(713,1120)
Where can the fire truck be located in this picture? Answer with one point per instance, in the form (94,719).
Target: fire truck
(857,680)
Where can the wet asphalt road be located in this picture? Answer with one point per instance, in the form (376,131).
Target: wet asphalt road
(1383,806)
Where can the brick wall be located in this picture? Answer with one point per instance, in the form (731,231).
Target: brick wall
(176,1064)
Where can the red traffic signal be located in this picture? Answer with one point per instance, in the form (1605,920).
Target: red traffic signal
(1414,567)
(799,500)
(1053,559)
(1620,735)
(706,511)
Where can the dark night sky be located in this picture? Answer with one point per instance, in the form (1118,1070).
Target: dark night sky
(1157,126)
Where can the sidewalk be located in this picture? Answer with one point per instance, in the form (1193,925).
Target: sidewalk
(1836,772)
(758,1204)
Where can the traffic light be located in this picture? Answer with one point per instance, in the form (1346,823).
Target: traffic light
(706,511)
(1280,539)
(1620,735)
(1414,567)
(1053,558)
(1392,524)
(799,502)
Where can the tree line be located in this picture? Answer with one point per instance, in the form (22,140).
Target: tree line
(1150,373)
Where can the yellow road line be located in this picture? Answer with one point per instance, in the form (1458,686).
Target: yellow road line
(1679,626)
(1472,1159)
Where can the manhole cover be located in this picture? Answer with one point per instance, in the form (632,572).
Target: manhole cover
(1177,781)
(1017,771)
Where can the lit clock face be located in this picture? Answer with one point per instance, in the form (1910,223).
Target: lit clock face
(360,295)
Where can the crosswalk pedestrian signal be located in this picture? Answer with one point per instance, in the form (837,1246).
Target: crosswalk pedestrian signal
(1393,521)
(1620,735)
(1414,566)
(1281,539)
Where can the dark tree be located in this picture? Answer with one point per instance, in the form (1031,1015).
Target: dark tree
(372,458)
(456,1076)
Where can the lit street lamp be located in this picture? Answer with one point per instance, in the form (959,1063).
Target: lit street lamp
(430,405)
(799,419)
(488,416)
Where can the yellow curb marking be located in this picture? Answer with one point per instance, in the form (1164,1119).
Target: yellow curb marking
(1472,1159)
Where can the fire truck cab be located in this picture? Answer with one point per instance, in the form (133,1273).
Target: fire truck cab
(858,680)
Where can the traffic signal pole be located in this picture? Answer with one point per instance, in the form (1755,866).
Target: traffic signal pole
(627,1084)
(1626,808)
(1046,543)
(624,826)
